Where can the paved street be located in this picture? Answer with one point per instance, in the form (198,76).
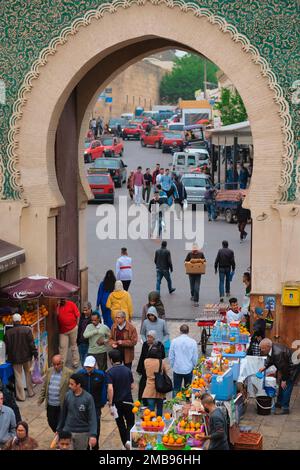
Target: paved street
(103,254)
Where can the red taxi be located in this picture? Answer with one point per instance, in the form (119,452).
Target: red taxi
(102,185)
(133,130)
(93,151)
(153,138)
(112,145)
(172,140)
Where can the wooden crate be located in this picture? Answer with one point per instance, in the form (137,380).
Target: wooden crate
(249,441)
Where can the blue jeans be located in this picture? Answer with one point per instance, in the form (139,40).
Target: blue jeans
(159,275)
(83,351)
(224,276)
(158,402)
(177,381)
(284,396)
(211,210)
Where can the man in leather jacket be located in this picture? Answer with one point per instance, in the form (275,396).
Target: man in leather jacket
(280,356)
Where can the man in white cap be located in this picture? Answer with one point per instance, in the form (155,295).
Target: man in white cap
(195,279)
(94,381)
(20,348)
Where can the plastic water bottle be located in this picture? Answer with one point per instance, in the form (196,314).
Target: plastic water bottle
(2,352)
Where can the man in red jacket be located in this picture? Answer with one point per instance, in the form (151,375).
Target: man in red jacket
(68,317)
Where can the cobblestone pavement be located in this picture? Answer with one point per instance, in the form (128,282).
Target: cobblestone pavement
(279,432)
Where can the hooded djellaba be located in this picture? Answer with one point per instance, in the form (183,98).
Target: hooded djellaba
(120,300)
(154,300)
(151,323)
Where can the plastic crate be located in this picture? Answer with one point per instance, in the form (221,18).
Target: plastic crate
(222,386)
(249,441)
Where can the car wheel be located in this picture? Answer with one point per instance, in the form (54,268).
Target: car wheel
(157,145)
(228,216)
(143,143)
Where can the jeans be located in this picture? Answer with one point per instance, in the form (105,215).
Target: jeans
(284,396)
(80,440)
(138,190)
(83,351)
(160,273)
(177,381)
(195,280)
(125,421)
(53,413)
(224,275)
(98,414)
(158,402)
(242,226)
(211,210)
(147,191)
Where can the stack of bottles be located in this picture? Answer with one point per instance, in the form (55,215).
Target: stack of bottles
(224,333)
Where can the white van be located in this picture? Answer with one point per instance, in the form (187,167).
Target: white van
(183,162)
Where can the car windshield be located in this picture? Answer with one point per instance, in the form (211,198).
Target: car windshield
(132,126)
(106,163)
(171,135)
(98,179)
(194,182)
(176,127)
(115,122)
(181,160)
(107,141)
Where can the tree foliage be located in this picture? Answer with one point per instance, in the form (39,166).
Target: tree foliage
(231,107)
(186,77)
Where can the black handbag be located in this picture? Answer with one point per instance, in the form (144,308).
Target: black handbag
(163,383)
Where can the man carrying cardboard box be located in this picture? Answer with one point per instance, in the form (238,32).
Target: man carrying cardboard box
(195,266)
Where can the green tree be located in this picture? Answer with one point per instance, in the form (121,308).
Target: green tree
(186,77)
(231,107)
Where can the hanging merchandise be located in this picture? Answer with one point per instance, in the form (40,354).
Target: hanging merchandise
(269,320)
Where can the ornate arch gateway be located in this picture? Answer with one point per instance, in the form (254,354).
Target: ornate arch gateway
(52,46)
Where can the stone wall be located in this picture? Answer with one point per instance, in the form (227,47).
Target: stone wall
(138,85)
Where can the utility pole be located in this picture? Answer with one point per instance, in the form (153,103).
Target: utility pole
(205,78)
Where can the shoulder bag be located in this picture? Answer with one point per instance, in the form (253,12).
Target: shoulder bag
(163,383)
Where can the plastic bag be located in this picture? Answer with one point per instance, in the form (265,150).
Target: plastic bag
(36,376)
(185,204)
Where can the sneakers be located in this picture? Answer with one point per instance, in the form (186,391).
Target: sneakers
(172,290)
(228,294)
(127,445)
(245,235)
(196,304)
(221,300)
(192,298)
(284,411)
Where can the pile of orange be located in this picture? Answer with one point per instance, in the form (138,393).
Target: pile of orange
(173,440)
(43,311)
(199,383)
(152,423)
(188,426)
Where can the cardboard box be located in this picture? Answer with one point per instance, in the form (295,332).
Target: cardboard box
(195,266)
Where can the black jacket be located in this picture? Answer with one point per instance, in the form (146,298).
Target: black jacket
(20,345)
(163,259)
(243,215)
(144,354)
(225,259)
(95,384)
(281,358)
(181,192)
(83,323)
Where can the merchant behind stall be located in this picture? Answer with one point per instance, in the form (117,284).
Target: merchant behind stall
(20,348)
(218,424)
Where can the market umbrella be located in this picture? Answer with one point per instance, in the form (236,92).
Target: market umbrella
(36,286)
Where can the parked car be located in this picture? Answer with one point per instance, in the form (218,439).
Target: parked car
(133,130)
(102,185)
(116,168)
(154,138)
(112,145)
(203,155)
(171,140)
(93,151)
(184,162)
(195,186)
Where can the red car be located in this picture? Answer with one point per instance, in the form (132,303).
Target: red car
(133,130)
(102,185)
(154,138)
(172,140)
(93,151)
(112,146)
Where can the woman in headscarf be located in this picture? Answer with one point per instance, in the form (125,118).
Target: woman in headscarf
(147,345)
(106,287)
(21,441)
(120,300)
(153,301)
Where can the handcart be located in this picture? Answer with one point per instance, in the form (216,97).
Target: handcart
(210,314)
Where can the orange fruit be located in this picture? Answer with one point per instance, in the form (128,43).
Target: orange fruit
(137,403)
(179,440)
(147,418)
(147,412)
(171,440)
(159,418)
(144,424)
(165,439)
(152,414)
(167,416)
(182,423)
(135,409)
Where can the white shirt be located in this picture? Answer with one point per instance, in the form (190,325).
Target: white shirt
(158,178)
(183,354)
(124,268)
(232,316)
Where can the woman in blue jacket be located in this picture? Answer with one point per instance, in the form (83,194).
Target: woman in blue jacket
(105,288)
